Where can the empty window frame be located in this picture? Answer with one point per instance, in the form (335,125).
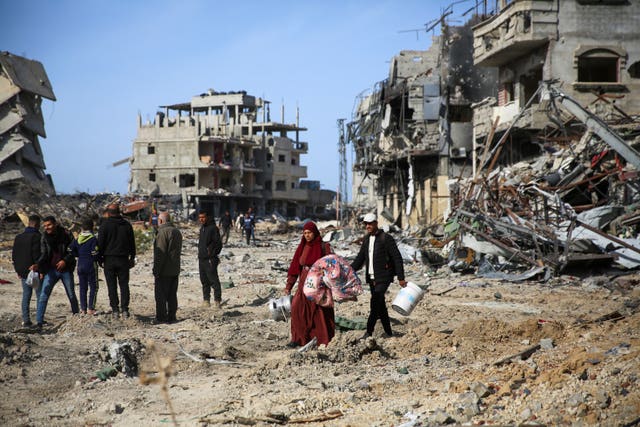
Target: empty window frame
(599,66)
(186,180)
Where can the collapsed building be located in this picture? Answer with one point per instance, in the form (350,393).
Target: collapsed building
(23,84)
(552,178)
(413,132)
(221,150)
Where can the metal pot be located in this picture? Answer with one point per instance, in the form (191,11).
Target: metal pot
(280,308)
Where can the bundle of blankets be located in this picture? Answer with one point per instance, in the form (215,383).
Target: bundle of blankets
(330,279)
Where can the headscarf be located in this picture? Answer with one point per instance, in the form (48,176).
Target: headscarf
(314,252)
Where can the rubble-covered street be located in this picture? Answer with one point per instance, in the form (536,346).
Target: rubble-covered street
(475,351)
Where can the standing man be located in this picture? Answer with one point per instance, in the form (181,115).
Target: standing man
(247,226)
(225,224)
(382,260)
(58,265)
(166,268)
(209,246)
(28,251)
(117,252)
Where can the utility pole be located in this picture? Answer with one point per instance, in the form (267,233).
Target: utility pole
(342,181)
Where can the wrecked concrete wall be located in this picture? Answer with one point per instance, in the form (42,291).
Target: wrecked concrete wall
(23,84)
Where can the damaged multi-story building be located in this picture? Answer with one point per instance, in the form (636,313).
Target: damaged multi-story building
(23,84)
(413,133)
(222,151)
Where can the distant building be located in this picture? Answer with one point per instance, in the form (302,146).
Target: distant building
(23,84)
(221,150)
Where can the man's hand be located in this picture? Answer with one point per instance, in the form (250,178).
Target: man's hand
(287,291)
(403,283)
(61,265)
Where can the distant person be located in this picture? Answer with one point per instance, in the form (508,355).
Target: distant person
(240,224)
(59,265)
(252,215)
(28,251)
(209,246)
(153,221)
(226,222)
(85,249)
(247,227)
(382,260)
(117,253)
(167,248)
(308,319)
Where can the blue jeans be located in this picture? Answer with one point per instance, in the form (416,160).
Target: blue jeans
(50,279)
(26,300)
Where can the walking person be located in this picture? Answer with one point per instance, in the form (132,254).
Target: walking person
(59,265)
(85,249)
(308,319)
(247,227)
(117,253)
(28,251)
(382,260)
(226,222)
(209,246)
(167,248)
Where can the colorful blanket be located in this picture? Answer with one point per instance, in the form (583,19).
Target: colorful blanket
(331,278)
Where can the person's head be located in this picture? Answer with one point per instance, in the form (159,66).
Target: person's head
(34,221)
(203,216)
(370,223)
(87,224)
(226,213)
(164,218)
(113,209)
(49,224)
(310,231)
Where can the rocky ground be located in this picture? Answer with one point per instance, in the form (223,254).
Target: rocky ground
(473,352)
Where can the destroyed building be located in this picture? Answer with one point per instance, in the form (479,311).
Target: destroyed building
(413,132)
(222,150)
(23,84)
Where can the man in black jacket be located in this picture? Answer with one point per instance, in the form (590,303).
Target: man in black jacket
(209,246)
(382,260)
(117,253)
(58,265)
(28,251)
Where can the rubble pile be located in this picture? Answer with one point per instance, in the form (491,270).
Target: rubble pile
(576,204)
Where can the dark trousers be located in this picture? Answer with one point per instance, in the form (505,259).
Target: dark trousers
(209,279)
(88,281)
(378,308)
(116,272)
(224,237)
(166,293)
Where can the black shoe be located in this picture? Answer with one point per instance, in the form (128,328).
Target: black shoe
(38,327)
(293,344)
(27,324)
(365,336)
(387,335)
(125,314)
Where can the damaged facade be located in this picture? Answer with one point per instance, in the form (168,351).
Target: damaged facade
(23,84)
(413,133)
(223,151)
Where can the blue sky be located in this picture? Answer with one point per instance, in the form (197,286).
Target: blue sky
(110,60)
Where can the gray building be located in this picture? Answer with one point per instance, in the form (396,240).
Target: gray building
(222,150)
(23,84)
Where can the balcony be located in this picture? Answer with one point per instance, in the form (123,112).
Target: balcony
(521,27)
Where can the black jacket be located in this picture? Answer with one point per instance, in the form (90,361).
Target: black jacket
(28,248)
(115,238)
(387,261)
(58,248)
(209,243)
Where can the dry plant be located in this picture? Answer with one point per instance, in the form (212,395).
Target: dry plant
(163,370)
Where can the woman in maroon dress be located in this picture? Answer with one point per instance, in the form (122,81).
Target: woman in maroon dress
(308,320)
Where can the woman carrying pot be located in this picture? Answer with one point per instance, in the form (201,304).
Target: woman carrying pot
(308,320)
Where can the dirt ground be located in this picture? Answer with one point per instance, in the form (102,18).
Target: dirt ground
(451,361)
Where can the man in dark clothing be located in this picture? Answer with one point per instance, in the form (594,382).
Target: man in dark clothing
(209,246)
(225,224)
(28,251)
(58,265)
(117,252)
(166,268)
(382,260)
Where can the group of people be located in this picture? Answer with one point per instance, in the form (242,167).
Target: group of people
(54,255)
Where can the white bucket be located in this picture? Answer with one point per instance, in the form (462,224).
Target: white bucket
(280,307)
(407,299)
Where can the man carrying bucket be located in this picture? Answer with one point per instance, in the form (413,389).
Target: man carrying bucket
(382,260)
